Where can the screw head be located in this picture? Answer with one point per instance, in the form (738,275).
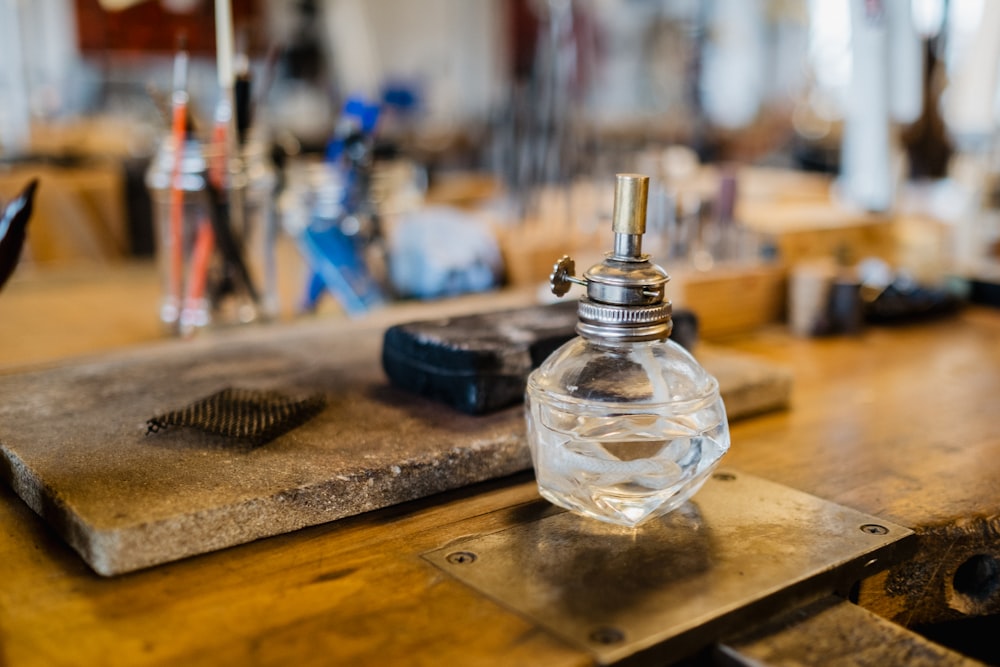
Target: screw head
(607,635)
(724,476)
(461,557)
(874,529)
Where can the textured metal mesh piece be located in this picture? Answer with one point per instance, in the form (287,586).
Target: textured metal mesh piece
(247,416)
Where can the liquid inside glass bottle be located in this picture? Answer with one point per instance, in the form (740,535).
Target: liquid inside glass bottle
(623,423)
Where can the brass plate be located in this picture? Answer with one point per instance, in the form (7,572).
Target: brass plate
(743,549)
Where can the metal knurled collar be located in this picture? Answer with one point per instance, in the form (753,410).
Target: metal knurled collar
(612,315)
(624,322)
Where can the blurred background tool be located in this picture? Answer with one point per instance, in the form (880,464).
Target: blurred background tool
(339,223)
(746,115)
(13,229)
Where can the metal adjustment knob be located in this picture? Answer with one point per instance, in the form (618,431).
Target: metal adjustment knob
(562,276)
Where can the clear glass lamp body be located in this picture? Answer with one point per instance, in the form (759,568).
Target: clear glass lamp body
(623,431)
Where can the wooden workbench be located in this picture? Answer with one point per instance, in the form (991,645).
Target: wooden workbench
(898,423)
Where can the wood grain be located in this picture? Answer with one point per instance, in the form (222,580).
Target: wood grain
(900,423)
(353,592)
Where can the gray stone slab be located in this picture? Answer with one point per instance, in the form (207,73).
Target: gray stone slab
(73,443)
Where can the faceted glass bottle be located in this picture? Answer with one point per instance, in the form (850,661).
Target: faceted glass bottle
(623,432)
(623,423)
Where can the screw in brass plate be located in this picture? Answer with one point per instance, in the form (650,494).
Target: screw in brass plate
(607,635)
(874,529)
(461,557)
(724,476)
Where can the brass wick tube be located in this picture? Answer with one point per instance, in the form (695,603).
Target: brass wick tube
(628,222)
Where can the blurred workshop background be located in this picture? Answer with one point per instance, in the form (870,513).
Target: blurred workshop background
(393,150)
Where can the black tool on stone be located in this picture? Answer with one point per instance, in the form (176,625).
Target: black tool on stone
(480,363)
(13,229)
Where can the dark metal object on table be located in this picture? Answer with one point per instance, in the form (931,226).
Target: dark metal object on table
(13,230)
(903,302)
(846,307)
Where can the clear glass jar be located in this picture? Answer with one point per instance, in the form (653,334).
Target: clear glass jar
(623,432)
(197,289)
(623,423)
(184,302)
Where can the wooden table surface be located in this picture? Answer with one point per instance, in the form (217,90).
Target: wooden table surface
(901,423)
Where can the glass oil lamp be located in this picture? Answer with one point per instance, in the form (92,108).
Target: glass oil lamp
(623,424)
